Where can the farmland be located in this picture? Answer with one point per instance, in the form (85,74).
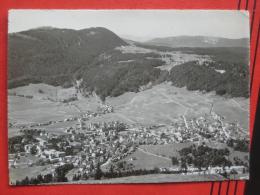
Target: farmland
(157,178)
(156,124)
(160,104)
(87,106)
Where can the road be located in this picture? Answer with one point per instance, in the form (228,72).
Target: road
(149,153)
(239,106)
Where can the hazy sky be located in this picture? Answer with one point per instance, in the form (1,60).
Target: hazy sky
(139,24)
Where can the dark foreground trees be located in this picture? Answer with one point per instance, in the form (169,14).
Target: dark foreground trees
(204,156)
(58,176)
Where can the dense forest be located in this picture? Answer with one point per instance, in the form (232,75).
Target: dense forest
(233,82)
(43,53)
(60,56)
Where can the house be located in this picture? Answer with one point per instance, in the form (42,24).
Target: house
(41,141)
(53,155)
(11,163)
(27,148)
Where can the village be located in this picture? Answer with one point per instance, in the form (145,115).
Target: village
(100,145)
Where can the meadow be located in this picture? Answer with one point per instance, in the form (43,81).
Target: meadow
(159,104)
(156,178)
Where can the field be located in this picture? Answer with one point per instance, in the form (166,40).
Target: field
(157,178)
(160,104)
(163,102)
(235,109)
(22,110)
(168,150)
(170,58)
(147,161)
(233,153)
(152,156)
(21,173)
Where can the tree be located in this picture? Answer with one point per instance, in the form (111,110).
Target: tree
(111,171)
(184,165)
(242,145)
(61,172)
(175,161)
(230,143)
(48,178)
(69,151)
(33,150)
(40,91)
(221,92)
(76,177)
(98,172)
(84,176)
(25,181)
(40,178)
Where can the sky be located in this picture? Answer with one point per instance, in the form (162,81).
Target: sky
(139,25)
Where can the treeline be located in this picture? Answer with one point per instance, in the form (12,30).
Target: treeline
(43,54)
(59,56)
(205,78)
(239,145)
(16,144)
(224,54)
(111,78)
(97,174)
(204,156)
(58,176)
(57,80)
(110,175)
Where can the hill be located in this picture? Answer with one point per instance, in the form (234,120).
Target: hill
(225,78)
(198,41)
(109,66)
(52,55)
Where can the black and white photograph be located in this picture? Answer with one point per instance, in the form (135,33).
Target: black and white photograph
(127,96)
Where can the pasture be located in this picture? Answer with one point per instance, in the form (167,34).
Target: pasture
(152,156)
(167,150)
(147,161)
(21,173)
(156,178)
(160,104)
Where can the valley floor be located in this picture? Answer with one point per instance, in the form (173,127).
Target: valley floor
(159,122)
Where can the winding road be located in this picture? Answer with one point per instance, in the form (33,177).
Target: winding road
(151,154)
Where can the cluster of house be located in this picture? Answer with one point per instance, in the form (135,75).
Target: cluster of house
(204,128)
(90,145)
(102,109)
(105,108)
(99,143)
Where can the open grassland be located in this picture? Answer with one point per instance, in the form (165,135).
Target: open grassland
(23,110)
(144,160)
(167,150)
(21,173)
(234,110)
(160,104)
(158,178)
(44,92)
(244,156)
(152,156)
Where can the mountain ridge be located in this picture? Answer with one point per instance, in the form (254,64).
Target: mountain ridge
(111,66)
(198,41)
(48,52)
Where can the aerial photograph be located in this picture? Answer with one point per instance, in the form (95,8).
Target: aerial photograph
(127,96)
